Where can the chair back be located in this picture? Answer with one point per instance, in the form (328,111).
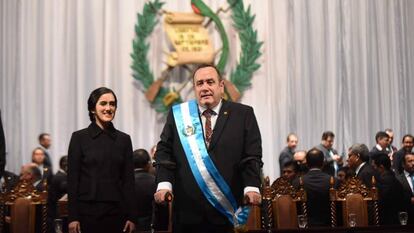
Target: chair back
(22,202)
(285,201)
(356,199)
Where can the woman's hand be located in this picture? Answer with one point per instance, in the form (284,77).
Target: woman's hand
(74,227)
(129,227)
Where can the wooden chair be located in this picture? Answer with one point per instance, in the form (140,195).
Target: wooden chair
(354,198)
(22,202)
(283,212)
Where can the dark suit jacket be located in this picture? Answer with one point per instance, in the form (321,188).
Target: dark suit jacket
(365,174)
(328,165)
(144,188)
(100,172)
(408,194)
(2,149)
(285,156)
(390,194)
(235,150)
(316,184)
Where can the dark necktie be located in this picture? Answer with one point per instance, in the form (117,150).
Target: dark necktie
(209,131)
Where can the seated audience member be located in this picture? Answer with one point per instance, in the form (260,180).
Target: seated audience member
(286,154)
(383,141)
(316,184)
(390,191)
(145,188)
(8,181)
(31,174)
(407,147)
(358,161)
(300,158)
(57,189)
(406,178)
(344,173)
(290,170)
(38,157)
(332,160)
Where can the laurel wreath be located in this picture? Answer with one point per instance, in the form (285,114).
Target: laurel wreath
(240,77)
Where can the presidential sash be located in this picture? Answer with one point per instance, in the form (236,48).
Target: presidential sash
(211,183)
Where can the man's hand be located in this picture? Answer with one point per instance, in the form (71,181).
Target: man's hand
(254,198)
(159,196)
(129,226)
(74,227)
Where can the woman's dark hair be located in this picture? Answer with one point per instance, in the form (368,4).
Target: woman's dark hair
(94,97)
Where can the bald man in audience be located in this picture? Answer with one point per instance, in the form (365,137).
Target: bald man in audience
(300,158)
(31,174)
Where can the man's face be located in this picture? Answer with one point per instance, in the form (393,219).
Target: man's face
(391,137)
(288,173)
(408,143)
(207,87)
(46,141)
(300,157)
(292,142)
(353,160)
(383,142)
(328,142)
(409,163)
(25,174)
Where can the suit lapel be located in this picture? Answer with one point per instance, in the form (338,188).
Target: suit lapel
(220,123)
(405,183)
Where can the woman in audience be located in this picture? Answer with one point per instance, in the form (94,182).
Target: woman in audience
(38,157)
(100,172)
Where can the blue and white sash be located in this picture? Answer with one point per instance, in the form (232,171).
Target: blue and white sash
(211,183)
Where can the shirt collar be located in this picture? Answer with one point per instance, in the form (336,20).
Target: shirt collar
(407,174)
(380,148)
(359,167)
(94,130)
(216,109)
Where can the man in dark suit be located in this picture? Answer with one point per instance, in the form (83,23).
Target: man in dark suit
(144,189)
(2,149)
(57,189)
(286,154)
(406,178)
(407,147)
(316,184)
(332,160)
(383,141)
(231,153)
(8,181)
(358,161)
(390,191)
(45,142)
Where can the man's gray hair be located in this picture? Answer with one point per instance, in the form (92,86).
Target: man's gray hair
(360,149)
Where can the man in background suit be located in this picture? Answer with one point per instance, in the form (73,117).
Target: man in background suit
(316,184)
(233,142)
(383,141)
(2,149)
(144,188)
(358,161)
(287,153)
(45,142)
(407,147)
(390,191)
(332,161)
(406,178)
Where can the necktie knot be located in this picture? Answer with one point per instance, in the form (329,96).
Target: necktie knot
(208,113)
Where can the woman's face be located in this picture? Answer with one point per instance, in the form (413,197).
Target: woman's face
(105,109)
(38,156)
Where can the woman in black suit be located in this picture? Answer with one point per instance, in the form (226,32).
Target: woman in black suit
(100,172)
